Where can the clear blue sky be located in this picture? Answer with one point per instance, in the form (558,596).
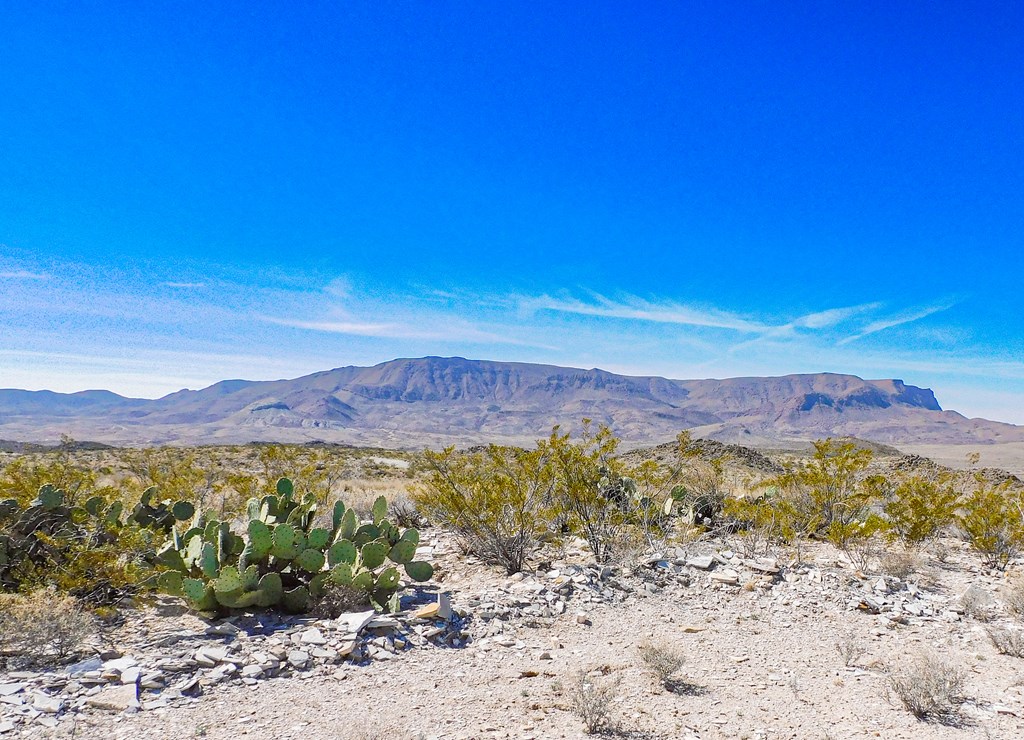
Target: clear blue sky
(193,191)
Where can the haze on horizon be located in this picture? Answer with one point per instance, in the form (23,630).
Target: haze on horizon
(192,193)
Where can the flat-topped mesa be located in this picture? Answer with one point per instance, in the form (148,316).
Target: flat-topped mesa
(414,402)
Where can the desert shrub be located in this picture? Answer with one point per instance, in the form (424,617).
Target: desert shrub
(858,538)
(590,699)
(497,503)
(830,489)
(597,495)
(404,513)
(592,487)
(1014,597)
(993,523)
(700,494)
(759,522)
(900,563)
(42,627)
(664,662)
(850,648)
(336,599)
(929,688)
(92,551)
(1007,641)
(919,509)
(24,476)
(977,604)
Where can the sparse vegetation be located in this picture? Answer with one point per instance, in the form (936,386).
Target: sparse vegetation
(992,519)
(590,699)
(1008,641)
(42,627)
(664,662)
(977,604)
(918,509)
(1014,597)
(900,563)
(850,648)
(498,503)
(929,688)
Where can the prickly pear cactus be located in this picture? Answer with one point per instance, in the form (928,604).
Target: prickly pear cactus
(282,561)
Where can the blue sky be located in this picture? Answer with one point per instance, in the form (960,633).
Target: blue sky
(190,192)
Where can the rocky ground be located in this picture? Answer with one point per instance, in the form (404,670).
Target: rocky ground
(482,655)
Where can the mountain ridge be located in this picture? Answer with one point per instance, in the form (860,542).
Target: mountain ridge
(435,400)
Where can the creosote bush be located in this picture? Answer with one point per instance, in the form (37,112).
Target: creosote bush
(503,501)
(919,509)
(42,627)
(929,688)
(992,520)
(498,503)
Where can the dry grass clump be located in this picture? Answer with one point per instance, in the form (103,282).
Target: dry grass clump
(663,662)
(850,648)
(590,699)
(900,563)
(929,688)
(977,604)
(338,599)
(1007,641)
(1014,597)
(403,511)
(42,627)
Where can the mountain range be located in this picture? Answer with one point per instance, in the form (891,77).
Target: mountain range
(436,400)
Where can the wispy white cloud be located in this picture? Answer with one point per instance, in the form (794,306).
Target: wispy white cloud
(898,319)
(23,275)
(171,284)
(444,331)
(638,309)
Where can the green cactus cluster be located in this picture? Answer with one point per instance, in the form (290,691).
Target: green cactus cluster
(162,514)
(284,561)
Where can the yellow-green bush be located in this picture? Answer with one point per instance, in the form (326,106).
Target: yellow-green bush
(498,502)
(992,520)
(919,509)
(830,489)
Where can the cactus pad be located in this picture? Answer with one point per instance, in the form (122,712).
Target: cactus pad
(285,487)
(348,526)
(318,538)
(208,562)
(341,574)
(310,560)
(183,510)
(388,579)
(419,570)
(380,509)
(342,551)
(366,533)
(403,552)
(170,582)
(372,554)
(363,581)
(229,580)
(50,497)
(284,542)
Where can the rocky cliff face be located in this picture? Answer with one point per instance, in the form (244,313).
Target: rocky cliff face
(431,400)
